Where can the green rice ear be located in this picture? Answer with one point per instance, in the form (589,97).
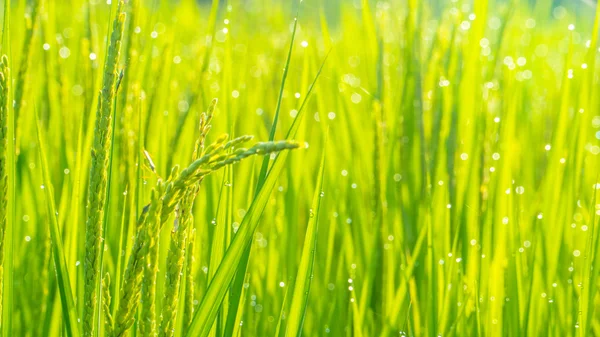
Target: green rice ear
(4,168)
(98,179)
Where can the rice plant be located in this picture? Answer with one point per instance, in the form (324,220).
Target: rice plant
(307,168)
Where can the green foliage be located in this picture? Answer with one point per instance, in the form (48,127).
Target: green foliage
(458,198)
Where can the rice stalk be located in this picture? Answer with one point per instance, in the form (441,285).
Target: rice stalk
(7,279)
(147,323)
(130,289)
(184,220)
(4,105)
(188,308)
(98,179)
(212,160)
(106,299)
(165,197)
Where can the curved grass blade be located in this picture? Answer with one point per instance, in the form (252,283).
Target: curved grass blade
(204,317)
(219,245)
(207,311)
(307,261)
(239,278)
(62,274)
(281,87)
(265,163)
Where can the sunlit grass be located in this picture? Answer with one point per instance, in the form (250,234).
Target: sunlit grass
(445,181)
